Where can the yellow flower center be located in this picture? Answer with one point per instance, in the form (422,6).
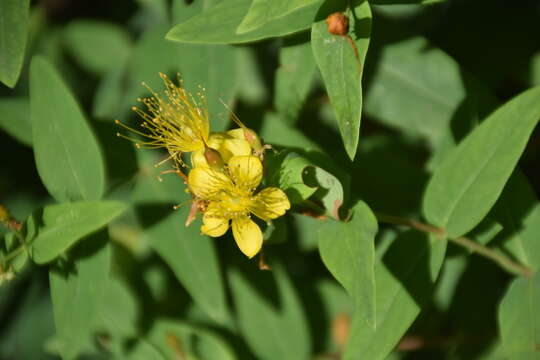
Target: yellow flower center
(234,202)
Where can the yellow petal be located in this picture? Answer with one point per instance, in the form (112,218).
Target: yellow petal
(247,134)
(234,147)
(248,236)
(198,159)
(246,171)
(206,183)
(214,225)
(270,203)
(237,133)
(216,139)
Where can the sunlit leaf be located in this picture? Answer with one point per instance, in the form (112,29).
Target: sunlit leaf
(403,279)
(347,250)
(341,62)
(262,11)
(469,180)
(68,157)
(218,24)
(62,225)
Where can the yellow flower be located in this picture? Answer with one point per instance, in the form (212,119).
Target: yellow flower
(175,120)
(231,196)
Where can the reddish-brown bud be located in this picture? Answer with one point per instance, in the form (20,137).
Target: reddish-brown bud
(213,158)
(338,24)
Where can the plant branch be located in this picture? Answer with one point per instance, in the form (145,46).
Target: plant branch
(502,260)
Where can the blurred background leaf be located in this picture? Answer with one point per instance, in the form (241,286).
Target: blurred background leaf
(68,156)
(13,36)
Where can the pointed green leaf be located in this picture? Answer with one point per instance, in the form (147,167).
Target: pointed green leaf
(519,319)
(270,316)
(77,293)
(68,157)
(262,11)
(13,36)
(404,282)
(218,24)
(15,119)
(469,180)
(62,225)
(348,251)
(193,259)
(341,66)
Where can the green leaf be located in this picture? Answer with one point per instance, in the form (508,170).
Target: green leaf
(306,230)
(218,24)
(200,68)
(118,315)
(98,46)
(15,119)
(404,283)
(341,66)
(193,259)
(77,293)
(519,319)
(293,78)
(30,322)
(13,36)
(470,179)
(300,179)
(252,88)
(143,350)
(276,131)
(68,157)
(418,89)
(190,340)
(272,331)
(263,11)
(62,225)
(109,94)
(348,251)
(518,210)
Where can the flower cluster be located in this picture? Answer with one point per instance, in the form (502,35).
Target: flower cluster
(226,168)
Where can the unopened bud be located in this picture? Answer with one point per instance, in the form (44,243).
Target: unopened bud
(253,140)
(213,158)
(338,24)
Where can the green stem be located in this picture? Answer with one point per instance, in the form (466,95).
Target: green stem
(502,260)
(13,254)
